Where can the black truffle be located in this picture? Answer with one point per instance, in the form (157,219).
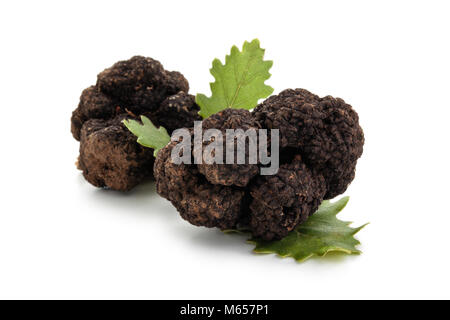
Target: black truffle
(177,111)
(111,157)
(281,202)
(325,131)
(198,201)
(138,86)
(230,174)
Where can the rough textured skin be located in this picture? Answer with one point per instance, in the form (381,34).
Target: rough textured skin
(177,111)
(294,113)
(140,83)
(93,105)
(138,86)
(198,201)
(111,157)
(320,142)
(340,145)
(325,131)
(283,201)
(229,174)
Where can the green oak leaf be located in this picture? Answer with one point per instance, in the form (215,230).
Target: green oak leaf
(239,83)
(148,135)
(320,234)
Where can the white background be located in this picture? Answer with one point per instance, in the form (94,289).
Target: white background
(62,238)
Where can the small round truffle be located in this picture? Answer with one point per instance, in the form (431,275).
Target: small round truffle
(281,202)
(110,157)
(198,201)
(325,131)
(238,174)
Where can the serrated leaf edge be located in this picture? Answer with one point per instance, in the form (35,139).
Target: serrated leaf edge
(200,96)
(344,202)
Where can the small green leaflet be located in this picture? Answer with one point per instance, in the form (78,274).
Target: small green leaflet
(148,135)
(321,234)
(239,83)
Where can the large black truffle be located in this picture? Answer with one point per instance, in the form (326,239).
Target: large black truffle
(325,131)
(138,86)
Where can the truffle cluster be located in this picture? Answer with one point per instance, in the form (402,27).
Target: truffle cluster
(109,154)
(320,142)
